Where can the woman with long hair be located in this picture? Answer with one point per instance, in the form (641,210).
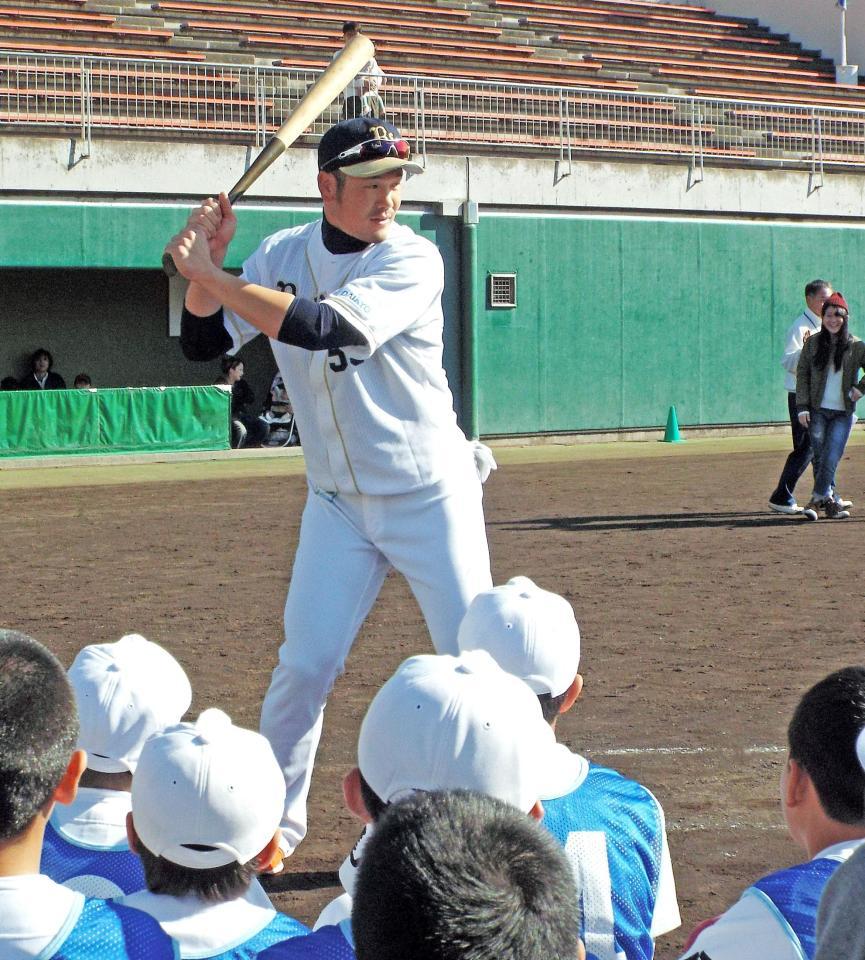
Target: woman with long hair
(827,389)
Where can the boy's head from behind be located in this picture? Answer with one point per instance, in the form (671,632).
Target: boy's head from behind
(457,875)
(822,738)
(207,800)
(38,730)
(444,722)
(125,692)
(530,633)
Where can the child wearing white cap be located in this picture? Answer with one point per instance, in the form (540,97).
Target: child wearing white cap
(439,723)
(40,919)
(207,800)
(124,691)
(611,828)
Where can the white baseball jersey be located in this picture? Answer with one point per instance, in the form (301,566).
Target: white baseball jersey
(242,928)
(777,922)
(379,418)
(393,482)
(806,324)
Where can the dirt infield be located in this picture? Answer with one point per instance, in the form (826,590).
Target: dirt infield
(703,619)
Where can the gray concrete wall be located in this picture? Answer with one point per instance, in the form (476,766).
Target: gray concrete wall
(163,171)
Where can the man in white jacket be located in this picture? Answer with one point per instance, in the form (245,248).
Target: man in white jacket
(783,500)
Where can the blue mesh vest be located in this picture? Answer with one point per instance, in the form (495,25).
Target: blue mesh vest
(794,895)
(612,831)
(94,872)
(104,929)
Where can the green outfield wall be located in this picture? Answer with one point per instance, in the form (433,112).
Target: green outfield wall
(616,319)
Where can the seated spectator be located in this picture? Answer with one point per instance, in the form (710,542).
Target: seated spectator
(612,828)
(207,799)
(823,799)
(9,383)
(41,376)
(40,767)
(125,691)
(279,416)
(840,918)
(441,723)
(462,876)
(242,398)
(82,381)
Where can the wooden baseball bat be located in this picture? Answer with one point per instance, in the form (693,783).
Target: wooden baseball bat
(320,95)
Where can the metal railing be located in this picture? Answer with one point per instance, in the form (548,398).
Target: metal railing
(246,103)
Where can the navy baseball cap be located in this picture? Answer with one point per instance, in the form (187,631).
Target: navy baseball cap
(365,147)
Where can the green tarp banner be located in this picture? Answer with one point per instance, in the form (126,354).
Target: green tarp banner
(131,420)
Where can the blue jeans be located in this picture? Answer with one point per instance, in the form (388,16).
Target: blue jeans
(829,432)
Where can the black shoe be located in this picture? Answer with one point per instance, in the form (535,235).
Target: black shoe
(833,510)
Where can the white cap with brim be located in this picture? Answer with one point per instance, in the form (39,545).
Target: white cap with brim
(448,723)
(207,794)
(530,632)
(125,691)
(379,166)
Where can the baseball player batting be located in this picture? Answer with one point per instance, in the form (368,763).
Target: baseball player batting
(352,306)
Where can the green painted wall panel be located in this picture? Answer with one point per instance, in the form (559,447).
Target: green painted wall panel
(740,379)
(618,318)
(132,235)
(661,335)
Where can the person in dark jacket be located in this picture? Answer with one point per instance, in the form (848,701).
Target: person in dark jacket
(242,400)
(41,376)
(827,390)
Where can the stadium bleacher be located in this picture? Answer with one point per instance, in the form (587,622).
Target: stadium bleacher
(619,48)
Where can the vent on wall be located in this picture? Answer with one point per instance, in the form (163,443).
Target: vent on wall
(503,290)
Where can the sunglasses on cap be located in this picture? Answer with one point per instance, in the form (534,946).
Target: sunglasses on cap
(370,150)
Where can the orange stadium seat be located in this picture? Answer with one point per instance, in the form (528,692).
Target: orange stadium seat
(644,47)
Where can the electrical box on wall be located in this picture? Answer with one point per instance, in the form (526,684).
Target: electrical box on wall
(502,292)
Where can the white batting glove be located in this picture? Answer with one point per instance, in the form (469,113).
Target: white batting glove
(485,462)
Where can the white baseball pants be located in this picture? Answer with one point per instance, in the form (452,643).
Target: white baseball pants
(435,537)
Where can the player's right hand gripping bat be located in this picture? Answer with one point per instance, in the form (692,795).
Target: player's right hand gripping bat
(320,95)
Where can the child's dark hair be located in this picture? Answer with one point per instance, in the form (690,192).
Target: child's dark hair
(822,740)
(38,729)
(452,874)
(551,706)
(213,885)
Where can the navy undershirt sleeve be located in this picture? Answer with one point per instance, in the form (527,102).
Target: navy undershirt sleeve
(203,338)
(317,326)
